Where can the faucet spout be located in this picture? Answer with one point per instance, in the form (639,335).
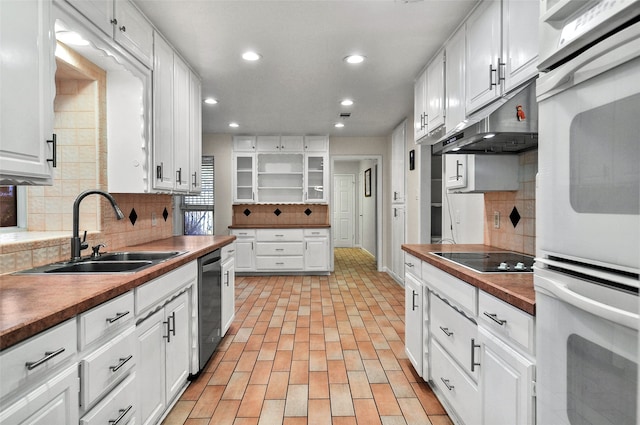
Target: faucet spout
(76,244)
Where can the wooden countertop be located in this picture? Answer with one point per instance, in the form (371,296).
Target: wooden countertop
(513,288)
(31,303)
(280,226)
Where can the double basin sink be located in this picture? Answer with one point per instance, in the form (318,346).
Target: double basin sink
(113,262)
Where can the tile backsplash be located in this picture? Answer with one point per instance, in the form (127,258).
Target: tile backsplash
(280,214)
(520,238)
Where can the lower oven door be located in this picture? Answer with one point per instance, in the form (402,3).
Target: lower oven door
(587,352)
(588,182)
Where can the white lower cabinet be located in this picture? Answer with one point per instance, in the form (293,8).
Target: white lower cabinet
(228,305)
(116,408)
(316,250)
(245,249)
(413,309)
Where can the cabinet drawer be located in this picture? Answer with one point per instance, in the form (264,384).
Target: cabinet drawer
(279,263)
(30,360)
(104,367)
(228,251)
(276,249)
(287,235)
(156,291)
(507,321)
(412,265)
(309,233)
(106,319)
(456,291)
(244,233)
(120,402)
(458,389)
(457,334)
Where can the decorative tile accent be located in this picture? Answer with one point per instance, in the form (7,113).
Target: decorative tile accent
(277,212)
(165,214)
(133,216)
(247,212)
(514,217)
(308,212)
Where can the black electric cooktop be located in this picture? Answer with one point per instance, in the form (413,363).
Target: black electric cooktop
(491,262)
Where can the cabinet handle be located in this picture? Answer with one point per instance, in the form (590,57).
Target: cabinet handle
(279,236)
(227,275)
(395,212)
(279,264)
(446,331)
(179,175)
(170,329)
(173,320)
(502,70)
(117,317)
(123,413)
(458,173)
(159,171)
(408,264)
(48,355)
(447,384)
(492,70)
(473,354)
(494,317)
(413,300)
(279,249)
(114,21)
(54,152)
(122,361)
(195,179)
(123,28)
(315,233)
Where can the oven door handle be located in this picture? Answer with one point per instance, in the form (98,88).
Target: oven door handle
(587,304)
(609,53)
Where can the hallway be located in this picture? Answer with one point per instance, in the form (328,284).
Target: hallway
(313,350)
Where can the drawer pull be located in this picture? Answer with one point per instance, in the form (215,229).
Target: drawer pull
(315,233)
(447,384)
(446,331)
(494,317)
(118,316)
(473,354)
(408,264)
(123,413)
(279,249)
(279,236)
(279,264)
(123,360)
(413,300)
(48,355)
(227,276)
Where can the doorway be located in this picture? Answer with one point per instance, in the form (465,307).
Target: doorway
(344,213)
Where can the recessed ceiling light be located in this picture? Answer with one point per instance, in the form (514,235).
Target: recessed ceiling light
(347,102)
(251,56)
(339,125)
(210,101)
(354,59)
(234,124)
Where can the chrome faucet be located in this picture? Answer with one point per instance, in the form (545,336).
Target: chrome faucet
(78,245)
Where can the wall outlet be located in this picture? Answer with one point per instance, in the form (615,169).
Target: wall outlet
(154,219)
(496,219)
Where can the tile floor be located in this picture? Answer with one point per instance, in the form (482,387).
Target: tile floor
(313,350)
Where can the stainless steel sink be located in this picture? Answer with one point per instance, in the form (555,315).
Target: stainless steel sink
(113,262)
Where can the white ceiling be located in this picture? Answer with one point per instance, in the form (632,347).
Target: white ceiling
(297,86)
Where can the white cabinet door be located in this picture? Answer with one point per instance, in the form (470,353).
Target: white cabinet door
(133,32)
(506,384)
(228,294)
(244,177)
(398,149)
(454,77)
(53,402)
(519,41)
(244,143)
(397,239)
(268,143)
(181,126)
(100,12)
(28,89)
(291,143)
(316,254)
(195,134)
(413,345)
(435,93)
(163,115)
(178,344)
(316,144)
(482,55)
(420,107)
(151,334)
(455,171)
(317,173)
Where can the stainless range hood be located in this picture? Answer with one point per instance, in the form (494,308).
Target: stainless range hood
(499,128)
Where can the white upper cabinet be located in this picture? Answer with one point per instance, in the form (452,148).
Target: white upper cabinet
(244,143)
(280,143)
(454,77)
(28,89)
(483,55)
(121,20)
(435,93)
(163,115)
(420,107)
(195,133)
(181,125)
(316,143)
(268,143)
(502,49)
(398,150)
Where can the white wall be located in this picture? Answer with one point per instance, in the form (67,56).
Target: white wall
(413,210)
(220,147)
(368,208)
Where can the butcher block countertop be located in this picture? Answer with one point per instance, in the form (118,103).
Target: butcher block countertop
(513,288)
(31,303)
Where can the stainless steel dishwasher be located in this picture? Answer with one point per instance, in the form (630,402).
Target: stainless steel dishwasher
(209,306)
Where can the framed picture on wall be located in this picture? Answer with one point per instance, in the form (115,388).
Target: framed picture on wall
(367,182)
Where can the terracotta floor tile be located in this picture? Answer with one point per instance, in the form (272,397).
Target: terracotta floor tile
(272,412)
(207,402)
(242,421)
(277,387)
(440,420)
(318,385)
(295,421)
(272,335)
(366,412)
(400,385)
(334,350)
(237,385)
(316,342)
(319,412)
(194,389)
(299,372)
(337,372)
(317,360)
(243,334)
(234,352)
(428,399)
(282,361)
(300,351)
(302,334)
(375,372)
(388,360)
(225,413)
(341,400)
(385,400)
(412,411)
(394,420)
(297,400)
(195,422)
(367,351)
(331,334)
(261,372)
(247,361)
(251,404)
(254,342)
(286,342)
(179,413)
(359,384)
(344,420)
(222,373)
(268,351)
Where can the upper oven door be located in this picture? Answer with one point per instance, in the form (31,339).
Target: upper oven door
(588,184)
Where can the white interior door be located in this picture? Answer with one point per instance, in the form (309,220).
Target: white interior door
(343,210)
